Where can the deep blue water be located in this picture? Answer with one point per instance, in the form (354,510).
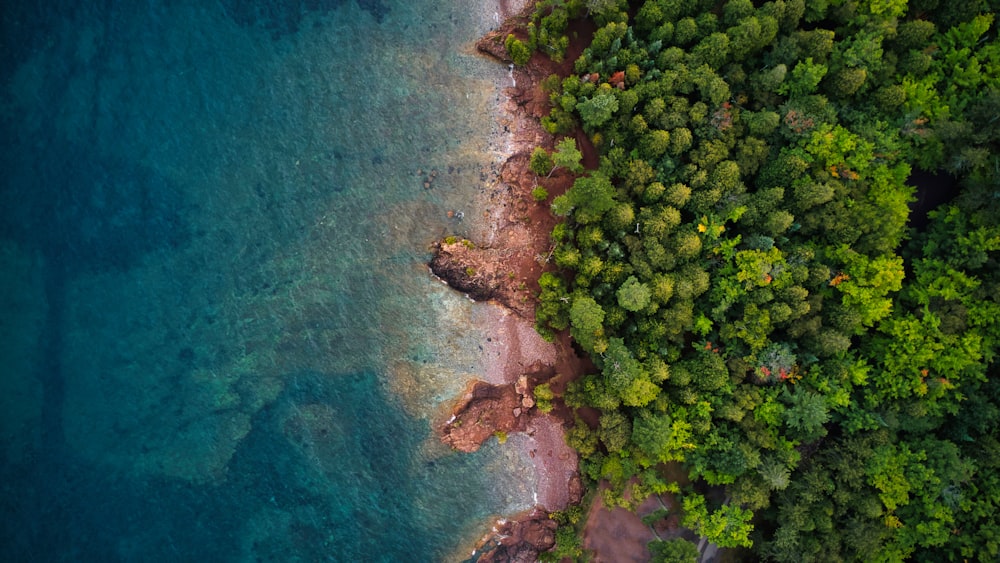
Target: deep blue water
(219,340)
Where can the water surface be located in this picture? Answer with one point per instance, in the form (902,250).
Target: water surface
(220,341)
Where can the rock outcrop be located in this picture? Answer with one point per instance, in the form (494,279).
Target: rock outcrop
(489,410)
(521,539)
(484,274)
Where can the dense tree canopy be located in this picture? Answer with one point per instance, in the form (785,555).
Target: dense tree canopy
(745,270)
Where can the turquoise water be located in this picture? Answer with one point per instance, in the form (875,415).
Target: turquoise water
(220,340)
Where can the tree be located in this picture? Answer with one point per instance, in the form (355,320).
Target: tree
(634,295)
(655,143)
(677,550)
(806,414)
(597,110)
(586,317)
(567,156)
(621,370)
(660,436)
(541,162)
(775,474)
(805,78)
(551,312)
(614,430)
(543,397)
(736,10)
(729,526)
(591,196)
(845,81)
(751,35)
(761,123)
(518,51)
(680,141)
(866,283)
(769,80)
(712,50)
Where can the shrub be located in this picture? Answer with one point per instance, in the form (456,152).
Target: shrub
(543,397)
(541,162)
(518,51)
(540,194)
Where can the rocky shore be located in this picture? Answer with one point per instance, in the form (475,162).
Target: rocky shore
(503,269)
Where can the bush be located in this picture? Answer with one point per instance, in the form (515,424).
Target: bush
(543,397)
(539,194)
(518,51)
(541,162)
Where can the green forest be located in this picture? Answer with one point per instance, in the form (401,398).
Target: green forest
(750,270)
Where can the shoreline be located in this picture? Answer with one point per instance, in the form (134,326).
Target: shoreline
(502,267)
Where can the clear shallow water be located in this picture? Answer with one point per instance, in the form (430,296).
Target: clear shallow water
(220,341)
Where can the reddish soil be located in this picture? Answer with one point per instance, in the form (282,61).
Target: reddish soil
(504,269)
(619,535)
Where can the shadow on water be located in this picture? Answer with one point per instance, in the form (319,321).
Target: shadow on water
(334,453)
(85,213)
(90,213)
(292,491)
(25,26)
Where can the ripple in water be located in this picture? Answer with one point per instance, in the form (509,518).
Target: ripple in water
(219,336)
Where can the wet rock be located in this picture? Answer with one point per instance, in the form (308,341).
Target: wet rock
(492,44)
(521,539)
(483,274)
(482,412)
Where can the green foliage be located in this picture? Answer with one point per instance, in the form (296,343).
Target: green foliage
(728,526)
(539,194)
(543,397)
(597,110)
(614,430)
(743,272)
(591,197)
(548,26)
(568,545)
(568,156)
(586,318)
(806,414)
(660,437)
(634,295)
(805,78)
(867,283)
(541,162)
(517,50)
(677,550)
